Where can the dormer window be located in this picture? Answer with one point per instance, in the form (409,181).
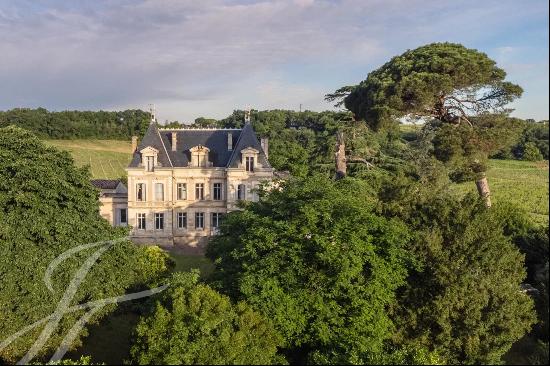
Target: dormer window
(149,158)
(249,159)
(249,163)
(199,156)
(150,163)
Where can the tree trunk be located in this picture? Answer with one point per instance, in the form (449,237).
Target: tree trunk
(483,190)
(340,156)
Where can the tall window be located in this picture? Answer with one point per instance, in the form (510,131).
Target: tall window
(182,191)
(141,221)
(199,220)
(159,192)
(241,192)
(182,220)
(159,221)
(150,161)
(199,191)
(249,160)
(140,192)
(217,191)
(123,220)
(216,219)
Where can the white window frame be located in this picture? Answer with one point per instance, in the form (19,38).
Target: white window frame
(150,163)
(182,191)
(220,191)
(143,191)
(216,219)
(199,217)
(249,163)
(141,218)
(199,187)
(159,220)
(157,193)
(241,192)
(182,220)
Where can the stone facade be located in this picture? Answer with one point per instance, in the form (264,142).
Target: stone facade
(113,198)
(182,181)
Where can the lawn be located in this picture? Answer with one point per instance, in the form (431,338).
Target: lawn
(524,183)
(186,263)
(107,158)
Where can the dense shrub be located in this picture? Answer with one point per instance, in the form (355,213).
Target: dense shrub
(193,324)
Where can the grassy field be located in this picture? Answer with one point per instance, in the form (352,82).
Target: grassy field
(524,183)
(106,158)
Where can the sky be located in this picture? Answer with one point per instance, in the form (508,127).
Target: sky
(207,58)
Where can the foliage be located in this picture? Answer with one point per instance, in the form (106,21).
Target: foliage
(153,263)
(464,300)
(314,257)
(300,142)
(533,134)
(193,324)
(84,360)
(466,148)
(445,81)
(534,244)
(78,124)
(531,152)
(406,355)
(48,206)
(525,184)
(205,122)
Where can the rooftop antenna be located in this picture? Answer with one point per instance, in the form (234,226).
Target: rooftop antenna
(247,115)
(152,110)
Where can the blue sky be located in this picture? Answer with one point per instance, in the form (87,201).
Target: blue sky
(207,58)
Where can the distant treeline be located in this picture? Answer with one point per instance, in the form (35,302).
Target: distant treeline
(78,124)
(300,141)
(530,144)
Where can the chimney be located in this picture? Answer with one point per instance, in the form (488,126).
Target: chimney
(229,141)
(134,143)
(264,143)
(174,141)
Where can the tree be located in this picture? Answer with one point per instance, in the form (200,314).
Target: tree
(464,299)
(47,206)
(193,324)
(445,81)
(78,124)
(465,149)
(314,257)
(205,122)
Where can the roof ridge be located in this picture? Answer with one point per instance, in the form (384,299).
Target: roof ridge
(164,146)
(235,150)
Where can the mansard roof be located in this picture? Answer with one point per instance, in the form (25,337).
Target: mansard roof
(214,139)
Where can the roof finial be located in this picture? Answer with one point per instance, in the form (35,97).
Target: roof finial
(247,115)
(152,111)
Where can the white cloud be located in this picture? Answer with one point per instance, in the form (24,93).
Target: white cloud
(206,58)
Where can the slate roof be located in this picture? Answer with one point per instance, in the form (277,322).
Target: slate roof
(105,183)
(247,139)
(214,139)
